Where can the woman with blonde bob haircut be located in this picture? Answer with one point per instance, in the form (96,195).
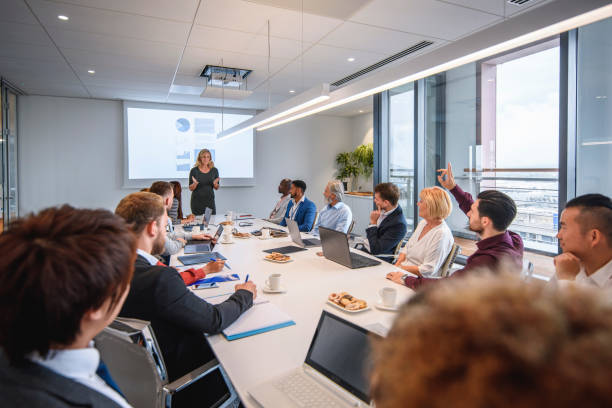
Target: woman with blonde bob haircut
(203,181)
(432,240)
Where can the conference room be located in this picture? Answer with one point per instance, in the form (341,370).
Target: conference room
(300,203)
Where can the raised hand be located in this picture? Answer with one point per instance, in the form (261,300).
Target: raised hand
(446,178)
(567,266)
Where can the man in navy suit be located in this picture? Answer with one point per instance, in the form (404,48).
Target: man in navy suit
(387,223)
(300,209)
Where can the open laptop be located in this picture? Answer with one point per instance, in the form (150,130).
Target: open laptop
(194,246)
(296,237)
(335,371)
(336,248)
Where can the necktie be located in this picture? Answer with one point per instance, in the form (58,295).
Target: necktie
(104,374)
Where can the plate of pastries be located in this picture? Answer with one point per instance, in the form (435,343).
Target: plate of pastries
(278,258)
(347,302)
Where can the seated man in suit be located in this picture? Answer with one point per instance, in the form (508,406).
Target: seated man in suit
(489,216)
(64,275)
(387,223)
(280,209)
(586,239)
(335,215)
(158,294)
(300,209)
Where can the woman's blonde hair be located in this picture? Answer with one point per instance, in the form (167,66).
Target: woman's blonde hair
(438,202)
(202,152)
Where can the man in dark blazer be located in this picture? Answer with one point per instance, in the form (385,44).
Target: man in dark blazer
(64,276)
(300,209)
(387,223)
(158,294)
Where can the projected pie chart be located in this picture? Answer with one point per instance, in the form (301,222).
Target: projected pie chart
(182,125)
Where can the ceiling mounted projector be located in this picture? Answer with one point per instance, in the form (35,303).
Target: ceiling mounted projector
(225,82)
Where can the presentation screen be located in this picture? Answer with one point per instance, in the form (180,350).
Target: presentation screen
(162,143)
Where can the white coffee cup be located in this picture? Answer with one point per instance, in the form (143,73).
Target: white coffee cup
(265,233)
(388,295)
(274,281)
(195,229)
(227,237)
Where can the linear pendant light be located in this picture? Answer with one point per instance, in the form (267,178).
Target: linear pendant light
(395,76)
(308,98)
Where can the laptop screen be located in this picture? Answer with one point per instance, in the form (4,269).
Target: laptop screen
(340,350)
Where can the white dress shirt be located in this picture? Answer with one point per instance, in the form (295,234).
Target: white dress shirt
(429,252)
(295,207)
(601,278)
(152,260)
(280,209)
(80,365)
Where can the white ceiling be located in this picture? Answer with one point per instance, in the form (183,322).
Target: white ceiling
(140,48)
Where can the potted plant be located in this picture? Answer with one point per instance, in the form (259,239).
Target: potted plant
(353,164)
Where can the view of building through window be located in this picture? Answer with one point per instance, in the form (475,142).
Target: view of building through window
(519,150)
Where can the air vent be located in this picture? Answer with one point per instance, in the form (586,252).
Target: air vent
(518,2)
(384,62)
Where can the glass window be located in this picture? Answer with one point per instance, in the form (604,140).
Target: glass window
(401,147)
(497,123)
(594,109)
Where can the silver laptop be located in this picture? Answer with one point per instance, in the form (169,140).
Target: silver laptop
(336,248)
(296,236)
(335,373)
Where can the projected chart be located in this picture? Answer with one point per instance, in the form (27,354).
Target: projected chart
(164,143)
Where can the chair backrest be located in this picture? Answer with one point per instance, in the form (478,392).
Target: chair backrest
(315,220)
(350,228)
(527,270)
(129,348)
(398,248)
(450,259)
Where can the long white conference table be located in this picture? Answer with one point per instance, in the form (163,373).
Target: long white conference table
(309,279)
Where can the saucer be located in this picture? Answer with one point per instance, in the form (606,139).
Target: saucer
(260,237)
(226,242)
(394,308)
(266,289)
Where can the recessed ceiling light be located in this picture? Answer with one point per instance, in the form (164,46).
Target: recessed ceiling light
(360,111)
(91,71)
(292,91)
(350,59)
(63,17)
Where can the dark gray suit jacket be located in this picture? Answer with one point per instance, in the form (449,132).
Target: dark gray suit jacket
(179,318)
(30,385)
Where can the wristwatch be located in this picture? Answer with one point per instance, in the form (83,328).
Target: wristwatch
(404,276)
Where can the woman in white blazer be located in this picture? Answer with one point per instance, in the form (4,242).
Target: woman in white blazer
(432,240)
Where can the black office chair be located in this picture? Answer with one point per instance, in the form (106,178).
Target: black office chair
(131,352)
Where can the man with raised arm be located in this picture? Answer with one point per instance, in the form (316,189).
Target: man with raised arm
(489,216)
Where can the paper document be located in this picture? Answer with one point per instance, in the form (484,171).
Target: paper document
(260,318)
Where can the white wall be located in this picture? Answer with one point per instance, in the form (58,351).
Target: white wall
(71,151)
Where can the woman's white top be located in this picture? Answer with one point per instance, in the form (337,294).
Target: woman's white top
(429,252)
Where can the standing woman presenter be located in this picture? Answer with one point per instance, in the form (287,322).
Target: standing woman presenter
(203,181)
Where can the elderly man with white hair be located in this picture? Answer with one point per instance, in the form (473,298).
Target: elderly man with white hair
(335,215)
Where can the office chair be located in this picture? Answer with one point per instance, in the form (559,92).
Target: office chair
(350,228)
(450,259)
(130,350)
(527,271)
(315,221)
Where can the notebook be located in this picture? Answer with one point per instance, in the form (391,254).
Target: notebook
(262,317)
(204,257)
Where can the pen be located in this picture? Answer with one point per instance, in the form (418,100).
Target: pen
(246,279)
(214,260)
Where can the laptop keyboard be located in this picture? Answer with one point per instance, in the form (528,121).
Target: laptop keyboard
(304,391)
(360,261)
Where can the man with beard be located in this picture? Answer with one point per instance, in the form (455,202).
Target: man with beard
(279,210)
(300,209)
(490,215)
(335,215)
(158,294)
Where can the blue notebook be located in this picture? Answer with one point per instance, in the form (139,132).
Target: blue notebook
(217,278)
(204,257)
(262,317)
